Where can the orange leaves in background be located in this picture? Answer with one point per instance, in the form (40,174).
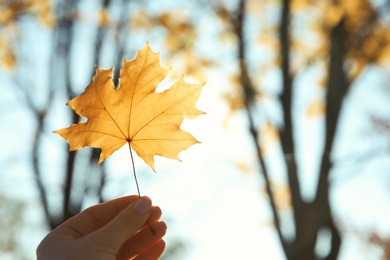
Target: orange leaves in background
(103,17)
(7,56)
(268,135)
(282,195)
(11,13)
(316,109)
(366,37)
(134,113)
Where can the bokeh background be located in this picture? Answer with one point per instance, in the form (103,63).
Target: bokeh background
(294,160)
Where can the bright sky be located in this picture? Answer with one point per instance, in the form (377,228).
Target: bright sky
(216,208)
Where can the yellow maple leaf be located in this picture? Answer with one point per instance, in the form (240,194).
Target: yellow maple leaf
(134,113)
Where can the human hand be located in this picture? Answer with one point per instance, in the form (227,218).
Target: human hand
(112,230)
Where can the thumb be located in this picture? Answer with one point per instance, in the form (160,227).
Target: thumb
(125,224)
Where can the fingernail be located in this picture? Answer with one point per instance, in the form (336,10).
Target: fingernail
(142,205)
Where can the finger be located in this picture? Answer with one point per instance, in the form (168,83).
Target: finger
(142,240)
(153,252)
(113,235)
(95,217)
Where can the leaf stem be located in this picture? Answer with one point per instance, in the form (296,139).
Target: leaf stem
(134,173)
(136,182)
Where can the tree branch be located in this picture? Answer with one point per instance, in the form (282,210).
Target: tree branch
(62,47)
(337,87)
(286,133)
(249,94)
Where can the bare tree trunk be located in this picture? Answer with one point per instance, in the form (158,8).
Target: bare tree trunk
(309,217)
(60,73)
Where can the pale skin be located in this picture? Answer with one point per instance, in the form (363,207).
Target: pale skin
(115,229)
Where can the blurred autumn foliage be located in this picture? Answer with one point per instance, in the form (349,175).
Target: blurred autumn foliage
(251,41)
